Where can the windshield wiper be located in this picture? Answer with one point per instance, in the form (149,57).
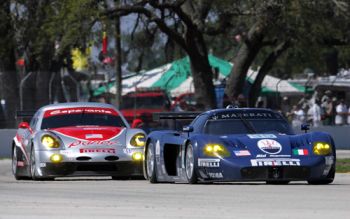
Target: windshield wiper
(247,124)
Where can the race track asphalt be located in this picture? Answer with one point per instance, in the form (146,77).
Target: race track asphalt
(104,198)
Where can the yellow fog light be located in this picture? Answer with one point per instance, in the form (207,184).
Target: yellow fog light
(49,141)
(137,156)
(322,148)
(56,158)
(138,140)
(216,150)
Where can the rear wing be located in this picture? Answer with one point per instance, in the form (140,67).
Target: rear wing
(174,120)
(175,115)
(25,114)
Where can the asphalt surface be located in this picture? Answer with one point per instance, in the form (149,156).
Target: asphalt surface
(102,197)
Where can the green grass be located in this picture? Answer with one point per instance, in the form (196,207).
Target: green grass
(343,166)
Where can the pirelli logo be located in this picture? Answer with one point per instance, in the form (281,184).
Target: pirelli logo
(275,162)
(208,162)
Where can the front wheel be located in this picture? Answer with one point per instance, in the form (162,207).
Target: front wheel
(33,168)
(33,165)
(189,165)
(150,163)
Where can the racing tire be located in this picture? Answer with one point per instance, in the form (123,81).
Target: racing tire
(15,157)
(33,165)
(190,165)
(33,168)
(328,180)
(150,163)
(281,182)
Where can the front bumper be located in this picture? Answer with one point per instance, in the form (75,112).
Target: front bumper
(279,169)
(88,164)
(113,168)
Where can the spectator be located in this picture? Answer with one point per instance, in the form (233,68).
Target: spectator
(298,116)
(341,113)
(327,96)
(285,106)
(314,113)
(241,100)
(328,110)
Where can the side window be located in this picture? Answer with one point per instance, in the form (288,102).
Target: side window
(34,120)
(199,123)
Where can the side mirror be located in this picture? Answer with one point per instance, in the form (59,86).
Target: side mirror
(305,127)
(136,123)
(187,129)
(24,125)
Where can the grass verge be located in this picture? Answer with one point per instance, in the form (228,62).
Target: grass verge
(343,165)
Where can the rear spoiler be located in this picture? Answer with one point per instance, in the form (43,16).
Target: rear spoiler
(25,113)
(175,115)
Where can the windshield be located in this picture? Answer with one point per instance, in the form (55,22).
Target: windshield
(149,102)
(82,119)
(235,126)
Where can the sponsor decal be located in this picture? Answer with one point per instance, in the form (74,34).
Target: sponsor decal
(255,136)
(79,110)
(87,136)
(275,162)
(42,164)
(261,155)
(242,153)
(300,152)
(208,162)
(88,143)
(247,115)
(215,175)
(97,150)
(269,146)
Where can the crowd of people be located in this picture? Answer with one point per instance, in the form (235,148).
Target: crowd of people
(317,110)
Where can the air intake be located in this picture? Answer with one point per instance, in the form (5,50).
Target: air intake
(83,158)
(111,158)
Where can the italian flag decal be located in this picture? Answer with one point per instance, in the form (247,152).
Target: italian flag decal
(300,152)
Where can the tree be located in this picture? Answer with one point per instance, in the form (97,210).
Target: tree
(9,89)
(190,37)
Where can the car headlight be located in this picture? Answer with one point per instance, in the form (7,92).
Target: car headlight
(137,156)
(56,158)
(216,150)
(50,141)
(138,140)
(322,148)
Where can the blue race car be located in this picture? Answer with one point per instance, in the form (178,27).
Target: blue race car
(238,145)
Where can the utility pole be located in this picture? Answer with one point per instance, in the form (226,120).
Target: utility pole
(118,59)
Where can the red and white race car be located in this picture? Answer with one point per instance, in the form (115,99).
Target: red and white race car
(77,139)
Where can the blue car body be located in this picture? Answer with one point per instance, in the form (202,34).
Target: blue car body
(256,145)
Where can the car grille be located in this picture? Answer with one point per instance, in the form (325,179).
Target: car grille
(275,172)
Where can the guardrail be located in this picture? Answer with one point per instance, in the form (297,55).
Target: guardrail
(340,135)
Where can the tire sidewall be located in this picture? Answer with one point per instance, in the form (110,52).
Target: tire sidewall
(193,179)
(153,177)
